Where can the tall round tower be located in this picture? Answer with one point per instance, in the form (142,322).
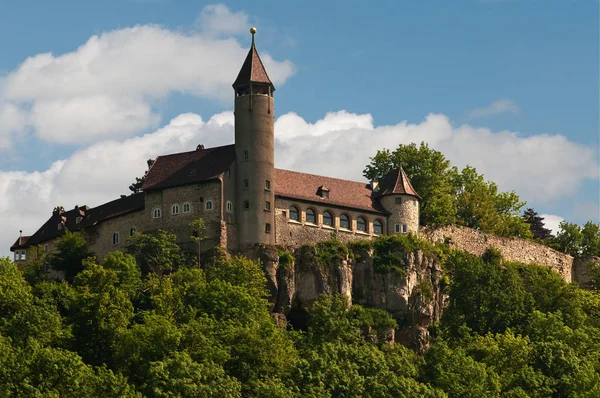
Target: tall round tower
(255,152)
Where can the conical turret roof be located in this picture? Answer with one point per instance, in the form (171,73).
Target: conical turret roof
(396,182)
(253,70)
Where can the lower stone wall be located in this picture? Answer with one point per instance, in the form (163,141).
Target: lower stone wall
(512,249)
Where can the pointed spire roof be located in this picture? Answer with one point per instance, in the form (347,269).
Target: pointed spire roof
(396,182)
(253,70)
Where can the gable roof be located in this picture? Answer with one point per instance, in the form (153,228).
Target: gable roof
(396,182)
(90,216)
(344,193)
(20,242)
(253,70)
(189,167)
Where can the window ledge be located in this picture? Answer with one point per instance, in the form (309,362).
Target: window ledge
(325,226)
(311,225)
(362,233)
(294,221)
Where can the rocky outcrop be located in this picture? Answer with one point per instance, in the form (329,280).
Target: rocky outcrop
(411,294)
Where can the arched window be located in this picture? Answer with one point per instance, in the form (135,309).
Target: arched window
(361,224)
(115,238)
(344,221)
(327,218)
(310,216)
(229,206)
(156,213)
(208,205)
(294,213)
(377,227)
(132,231)
(175,210)
(186,207)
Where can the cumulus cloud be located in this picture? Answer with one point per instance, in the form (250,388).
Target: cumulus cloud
(337,145)
(551,221)
(107,87)
(495,108)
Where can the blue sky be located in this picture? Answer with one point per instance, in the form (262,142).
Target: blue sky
(509,86)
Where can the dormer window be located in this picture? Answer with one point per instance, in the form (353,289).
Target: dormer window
(78,220)
(60,226)
(323,192)
(193,172)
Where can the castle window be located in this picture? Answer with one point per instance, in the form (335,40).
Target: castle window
(209,205)
(156,213)
(377,227)
(294,213)
(16,256)
(246,155)
(414,202)
(267,185)
(397,228)
(78,219)
(344,221)
(46,248)
(132,231)
(175,210)
(246,205)
(186,207)
(398,201)
(361,224)
(267,228)
(246,183)
(229,206)
(404,229)
(23,254)
(60,226)
(268,206)
(115,238)
(327,218)
(310,216)
(325,194)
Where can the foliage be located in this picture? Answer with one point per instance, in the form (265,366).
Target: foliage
(158,254)
(536,224)
(450,196)
(71,251)
(510,330)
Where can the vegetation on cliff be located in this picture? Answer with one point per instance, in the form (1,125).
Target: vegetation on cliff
(153,324)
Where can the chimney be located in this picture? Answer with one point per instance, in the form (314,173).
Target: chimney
(375,185)
(200,147)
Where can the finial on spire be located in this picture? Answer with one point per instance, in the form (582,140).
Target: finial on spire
(253,32)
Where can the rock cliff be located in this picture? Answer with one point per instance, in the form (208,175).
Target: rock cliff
(411,291)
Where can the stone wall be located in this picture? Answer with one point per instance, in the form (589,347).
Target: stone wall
(512,249)
(295,233)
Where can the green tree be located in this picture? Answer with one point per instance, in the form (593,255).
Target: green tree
(430,174)
(569,238)
(158,254)
(536,224)
(70,252)
(590,242)
(199,234)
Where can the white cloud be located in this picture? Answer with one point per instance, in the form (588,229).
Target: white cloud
(107,87)
(551,222)
(338,145)
(217,19)
(495,108)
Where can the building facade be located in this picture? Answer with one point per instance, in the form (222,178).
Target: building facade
(236,189)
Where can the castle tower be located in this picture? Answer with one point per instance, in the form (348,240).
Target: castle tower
(398,196)
(255,153)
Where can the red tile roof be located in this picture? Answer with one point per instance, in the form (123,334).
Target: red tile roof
(20,242)
(252,71)
(92,216)
(396,182)
(189,167)
(302,186)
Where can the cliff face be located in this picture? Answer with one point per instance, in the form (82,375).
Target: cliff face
(411,292)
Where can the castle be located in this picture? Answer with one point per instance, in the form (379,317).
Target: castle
(236,189)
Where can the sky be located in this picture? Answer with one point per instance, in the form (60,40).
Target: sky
(90,90)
